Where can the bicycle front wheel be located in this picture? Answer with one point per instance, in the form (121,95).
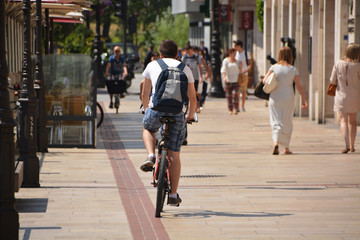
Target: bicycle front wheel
(117,103)
(162,184)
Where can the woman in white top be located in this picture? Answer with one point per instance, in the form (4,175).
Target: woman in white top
(346,75)
(230,70)
(282,99)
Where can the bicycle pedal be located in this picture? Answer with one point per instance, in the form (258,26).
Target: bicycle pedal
(147,169)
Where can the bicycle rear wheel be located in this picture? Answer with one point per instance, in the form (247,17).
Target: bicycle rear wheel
(162,185)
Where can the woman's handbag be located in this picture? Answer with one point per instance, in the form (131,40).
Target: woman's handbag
(270,83)
(240,79)
(259,92)
(331,90)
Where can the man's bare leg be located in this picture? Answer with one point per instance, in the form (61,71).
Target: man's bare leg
(175,170)
(149,141)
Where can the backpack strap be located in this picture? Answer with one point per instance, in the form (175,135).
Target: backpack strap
(181,66)
(162,64)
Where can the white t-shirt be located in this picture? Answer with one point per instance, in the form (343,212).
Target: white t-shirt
(240,57)
(231,69)
(153,70)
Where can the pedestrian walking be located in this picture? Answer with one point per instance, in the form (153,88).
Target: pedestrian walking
(193,61)
(282,99)
(246,61)
(149,55)
(346,76)
(205,51)
(116,69)
(151,120)
(230,70)
(207,78)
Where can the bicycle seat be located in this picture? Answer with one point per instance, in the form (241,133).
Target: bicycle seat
(167,119)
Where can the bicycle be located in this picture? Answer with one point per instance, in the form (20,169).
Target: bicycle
(115,85)
(161,175)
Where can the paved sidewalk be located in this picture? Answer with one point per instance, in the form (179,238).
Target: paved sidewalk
(232,186)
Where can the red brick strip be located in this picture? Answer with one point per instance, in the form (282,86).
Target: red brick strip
(137,204)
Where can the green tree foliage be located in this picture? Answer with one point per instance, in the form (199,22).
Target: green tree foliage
(171,27)
(260,14)
(80,40)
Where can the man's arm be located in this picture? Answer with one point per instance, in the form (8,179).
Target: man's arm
(192,101)
(107,69)
(145,94)
(250,62)
(125,71)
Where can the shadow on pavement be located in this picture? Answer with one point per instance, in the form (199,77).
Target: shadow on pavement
(286,188)
(31,205)
(29,229)
(209,213)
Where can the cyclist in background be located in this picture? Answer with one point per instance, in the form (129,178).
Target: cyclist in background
(151,123)
(116,69)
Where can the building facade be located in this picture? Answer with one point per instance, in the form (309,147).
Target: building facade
(322,29)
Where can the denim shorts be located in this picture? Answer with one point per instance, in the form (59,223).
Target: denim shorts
(176,131)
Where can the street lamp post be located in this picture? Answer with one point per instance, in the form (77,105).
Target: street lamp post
(28,116)
(97,48)
(39,84)
(9,217)
(216,87)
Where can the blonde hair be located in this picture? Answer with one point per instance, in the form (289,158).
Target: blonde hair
(285,55)
(352,52)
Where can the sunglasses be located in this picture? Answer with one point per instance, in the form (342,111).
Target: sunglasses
(117,51)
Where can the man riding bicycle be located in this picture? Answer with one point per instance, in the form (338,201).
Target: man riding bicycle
(116,69)
(168,53)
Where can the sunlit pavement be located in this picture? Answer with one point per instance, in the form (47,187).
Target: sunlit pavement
(231,185)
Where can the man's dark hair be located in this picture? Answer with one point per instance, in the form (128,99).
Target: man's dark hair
(168,48)
(238,43)
(188,46)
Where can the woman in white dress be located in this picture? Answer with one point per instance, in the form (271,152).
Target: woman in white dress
(346,75)
(282,99)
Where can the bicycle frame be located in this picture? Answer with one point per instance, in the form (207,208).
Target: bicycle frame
(161,176)
(161,147)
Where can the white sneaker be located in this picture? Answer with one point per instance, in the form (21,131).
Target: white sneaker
(148,164)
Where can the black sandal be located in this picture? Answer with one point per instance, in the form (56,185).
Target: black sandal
(276,150)
(345,150)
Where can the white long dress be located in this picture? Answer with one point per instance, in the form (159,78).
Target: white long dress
(281,104)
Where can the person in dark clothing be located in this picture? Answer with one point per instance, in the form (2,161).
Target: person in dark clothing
(148,55)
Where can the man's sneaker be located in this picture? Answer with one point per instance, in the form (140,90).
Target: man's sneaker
(174,201)
(148,164)
(111,105)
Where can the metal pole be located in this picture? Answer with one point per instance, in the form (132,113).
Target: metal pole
(124,20)
(39,84)
(46,28)
(216,87)
(51,36)
(9,217)
(97,49)
(28,116)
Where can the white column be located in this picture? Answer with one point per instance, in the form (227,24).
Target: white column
(319,117)
(357,23)
(302,61)
(275,29)
(328,62)
(267,34)
(293,23)
(284,16)
(341,32)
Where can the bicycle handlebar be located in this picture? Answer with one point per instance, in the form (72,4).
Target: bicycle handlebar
(195,119)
